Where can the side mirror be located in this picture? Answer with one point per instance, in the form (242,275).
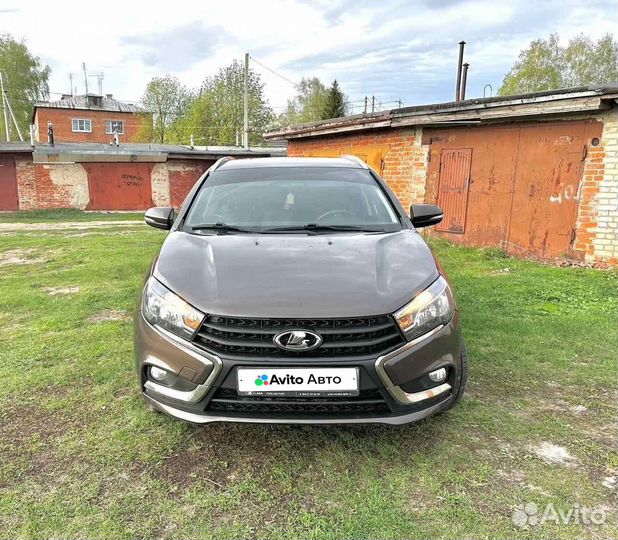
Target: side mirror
(160,217)
(424,215)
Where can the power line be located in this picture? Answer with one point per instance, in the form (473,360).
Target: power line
(274,72)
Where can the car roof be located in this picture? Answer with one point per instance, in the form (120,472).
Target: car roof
(350,162)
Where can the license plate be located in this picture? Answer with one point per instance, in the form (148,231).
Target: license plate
(297,382)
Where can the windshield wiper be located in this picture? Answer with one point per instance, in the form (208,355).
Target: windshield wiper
(315,227)
(222,227)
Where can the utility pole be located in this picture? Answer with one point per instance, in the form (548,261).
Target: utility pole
(85,77)
(5,111)
(245,128)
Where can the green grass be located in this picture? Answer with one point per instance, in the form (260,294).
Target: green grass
(65,214)
(81,457)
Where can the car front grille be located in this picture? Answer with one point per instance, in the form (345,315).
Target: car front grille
(368,402)
(242,338)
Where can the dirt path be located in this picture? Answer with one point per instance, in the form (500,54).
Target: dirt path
(78,225)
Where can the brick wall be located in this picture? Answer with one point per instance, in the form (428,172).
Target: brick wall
(397,155)
(171,181)
(26,183)
(63,127)
(66,185)
(182,175)
(61,185)
(597,220)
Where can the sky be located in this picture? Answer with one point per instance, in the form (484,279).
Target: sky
(393,50)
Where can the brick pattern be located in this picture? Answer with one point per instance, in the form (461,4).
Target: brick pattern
(597,221)
(182,177)
(63,128)
(403,164)
(48,193)
(26,184)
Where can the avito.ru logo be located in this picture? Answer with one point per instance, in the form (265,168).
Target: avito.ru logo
(262,379)
(291,379)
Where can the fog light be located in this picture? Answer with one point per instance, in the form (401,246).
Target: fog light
(158,374)
(438,375)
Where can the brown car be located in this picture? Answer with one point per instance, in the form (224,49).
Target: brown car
(297,290)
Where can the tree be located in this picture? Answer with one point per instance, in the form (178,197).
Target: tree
(216,115)
(25,81)
(334,104)
(167,99)
(307,105)
(546,65)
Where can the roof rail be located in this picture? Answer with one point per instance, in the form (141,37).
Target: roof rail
(356,160)
(220,162)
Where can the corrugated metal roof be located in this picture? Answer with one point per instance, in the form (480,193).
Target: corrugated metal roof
(91,102)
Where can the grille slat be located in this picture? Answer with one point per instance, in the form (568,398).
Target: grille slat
(253,338)
(368,402)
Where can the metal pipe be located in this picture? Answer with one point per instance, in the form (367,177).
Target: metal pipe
(464,80)
(5,111)
(459,64)
(491,90)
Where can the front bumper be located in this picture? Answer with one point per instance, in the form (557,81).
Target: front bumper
(399,379)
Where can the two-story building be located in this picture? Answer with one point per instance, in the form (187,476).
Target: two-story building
(87,118)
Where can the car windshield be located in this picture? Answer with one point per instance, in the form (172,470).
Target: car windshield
(287,198)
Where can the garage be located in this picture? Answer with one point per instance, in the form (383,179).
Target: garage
(533,174)
(514,186)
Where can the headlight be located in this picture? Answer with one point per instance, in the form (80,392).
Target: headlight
(430,309)
(162,307)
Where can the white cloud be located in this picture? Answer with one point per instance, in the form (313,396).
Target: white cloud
(392,49)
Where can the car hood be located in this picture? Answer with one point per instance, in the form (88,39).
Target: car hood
(296,275)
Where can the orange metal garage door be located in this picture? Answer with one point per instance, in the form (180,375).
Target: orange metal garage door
(523,189)
(8,184)
(119,186)
(453,188)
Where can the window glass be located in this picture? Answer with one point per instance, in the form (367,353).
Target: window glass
(81,125)
(280,197)
(114,126)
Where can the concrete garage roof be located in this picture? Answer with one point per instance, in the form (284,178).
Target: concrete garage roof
(467,112)
(15,148)
(145,152)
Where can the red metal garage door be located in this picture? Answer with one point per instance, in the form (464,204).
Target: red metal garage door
(8,184)
(119,186)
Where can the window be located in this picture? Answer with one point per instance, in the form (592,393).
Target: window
(114,126)
(81,125)
(289,197)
